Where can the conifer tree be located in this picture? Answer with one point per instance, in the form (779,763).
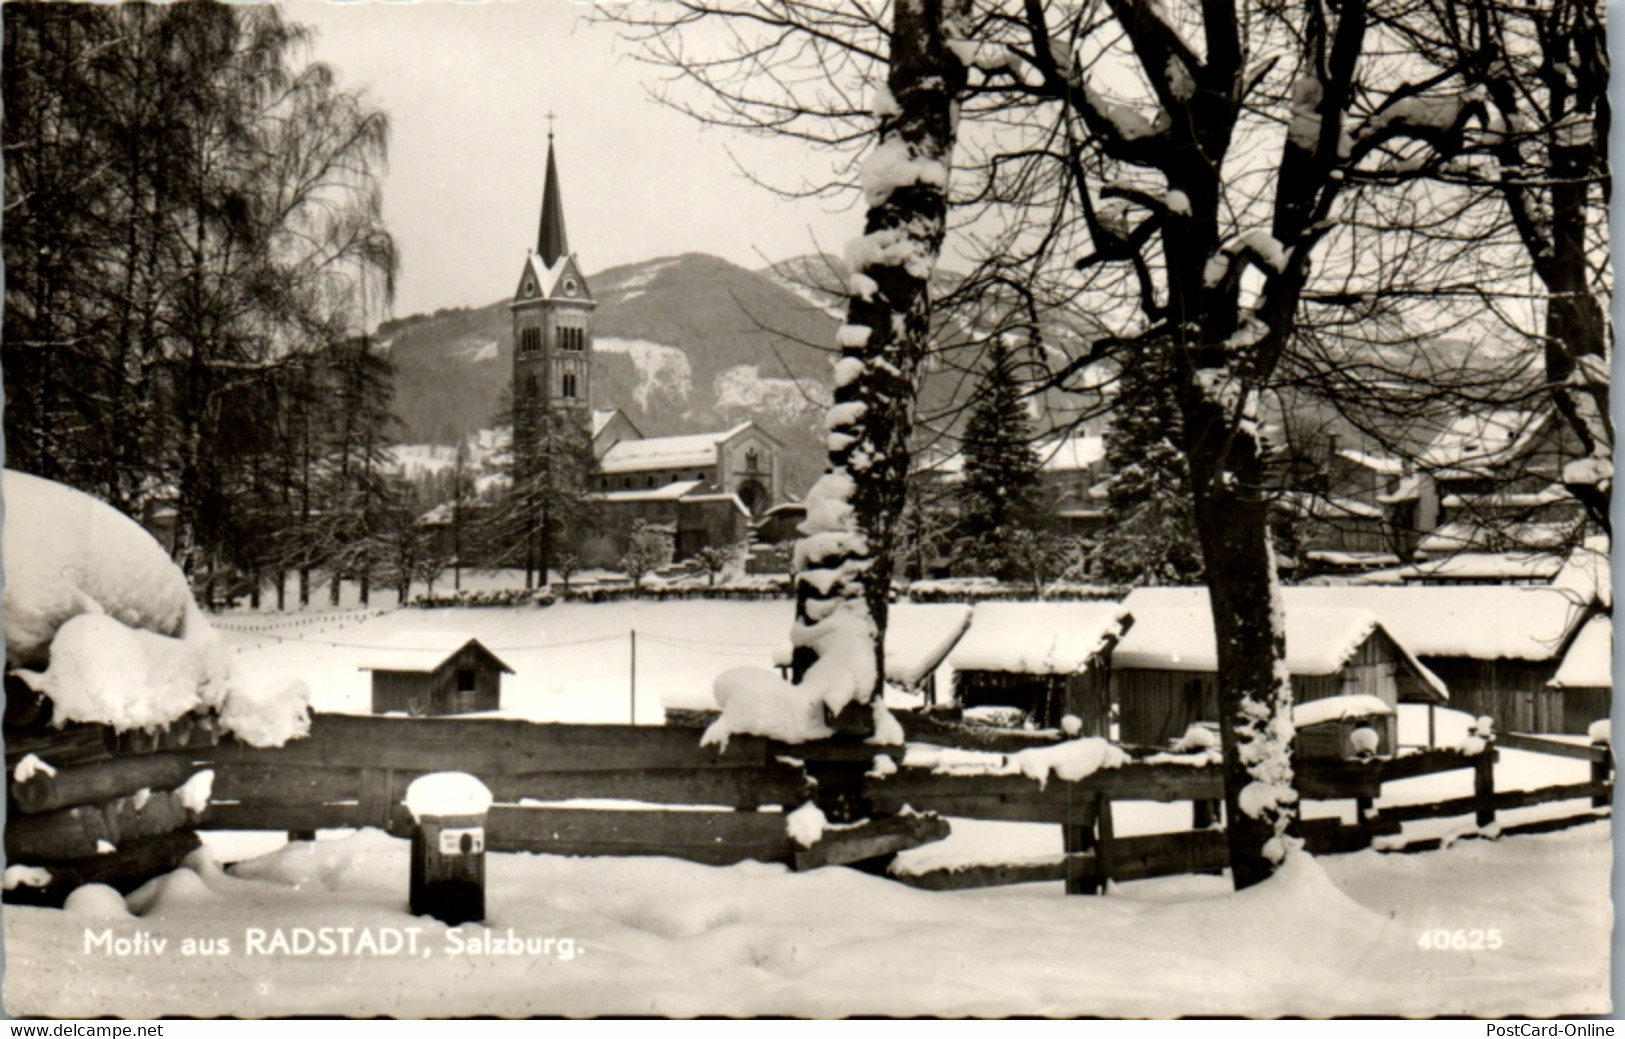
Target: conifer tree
(1150,535)
(1000,493)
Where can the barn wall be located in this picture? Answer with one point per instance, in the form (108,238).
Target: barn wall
(1513,692)
(400,690)
(1156,706)
(1581,707)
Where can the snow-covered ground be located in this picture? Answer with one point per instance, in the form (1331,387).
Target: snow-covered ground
(572,662)
(1350,934)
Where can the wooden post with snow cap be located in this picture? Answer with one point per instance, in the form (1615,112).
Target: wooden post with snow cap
(448,846)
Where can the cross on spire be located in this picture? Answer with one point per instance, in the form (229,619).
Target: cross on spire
(550,118)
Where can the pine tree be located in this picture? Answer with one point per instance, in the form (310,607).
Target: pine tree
(1000,493)
(1150,535)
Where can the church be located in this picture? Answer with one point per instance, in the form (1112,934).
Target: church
(708,488)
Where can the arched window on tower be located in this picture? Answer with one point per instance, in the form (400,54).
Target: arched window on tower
(530,380)
(752,460)
(568,386)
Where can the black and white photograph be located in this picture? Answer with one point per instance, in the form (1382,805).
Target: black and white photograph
(807,508)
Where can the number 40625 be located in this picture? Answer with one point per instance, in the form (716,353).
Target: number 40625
(1441,940)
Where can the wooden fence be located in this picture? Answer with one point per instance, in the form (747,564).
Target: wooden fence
(723,806)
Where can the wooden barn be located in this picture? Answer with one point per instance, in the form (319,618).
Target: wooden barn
(1048,659)
(434,672)
(918,638)
(1584,684)
(1165,671)
(1496,647)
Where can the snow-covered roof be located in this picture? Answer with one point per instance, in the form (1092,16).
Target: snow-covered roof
(918,637)
(1037,638)
(1336,708)
(1486,622)
(670,492)
(600,418)
(1551,494)
(418,651)
(1301,503)
(1484,566)
(679,452)
(1467,535)
(1323,629)
(1386,465)
(1589,663)
(1587,574)
(1334,557)
(1477,441)
(1319,641)
(1409,488)
(1072,454)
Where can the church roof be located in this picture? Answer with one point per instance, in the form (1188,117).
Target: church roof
(679,452)
(551,242)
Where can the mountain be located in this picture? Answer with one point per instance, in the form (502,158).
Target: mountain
(682,344)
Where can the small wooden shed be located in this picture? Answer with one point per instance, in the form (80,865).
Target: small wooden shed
(434,672)
(1048,659)
(1584,683)
(1165,671)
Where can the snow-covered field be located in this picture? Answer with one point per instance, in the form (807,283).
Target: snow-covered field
(1334,936)
(573,662)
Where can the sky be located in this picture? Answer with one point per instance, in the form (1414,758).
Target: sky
(467,87)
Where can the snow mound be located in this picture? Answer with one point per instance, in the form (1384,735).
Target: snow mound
(179,889)
(806,824)
(332,865)
(28,767)
(1601,731)
(96,902)
(268,715)
(1070,761)
(67,554)
(447,793)
(95,600)
(25,876)
(757,702)
(106,673)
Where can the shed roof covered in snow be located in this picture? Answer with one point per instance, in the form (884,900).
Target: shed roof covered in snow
(918,637)
(1484,622)
(688,451)
(1474,443)
(1173,631)
(1071,454)
(1589,663)
(420,651)
(1038,638)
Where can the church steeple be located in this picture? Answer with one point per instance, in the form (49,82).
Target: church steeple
(551,242)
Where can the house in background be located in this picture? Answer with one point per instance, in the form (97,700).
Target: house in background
(1048,659)
(705,487)
(434,672)
(1165,670)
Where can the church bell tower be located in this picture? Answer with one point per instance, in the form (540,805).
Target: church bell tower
(552,332)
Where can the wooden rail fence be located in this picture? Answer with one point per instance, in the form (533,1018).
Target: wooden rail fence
(723,806)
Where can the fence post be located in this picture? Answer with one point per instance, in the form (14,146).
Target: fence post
(1484,782)
(1602,771)
(1104,835)
(1078,838)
